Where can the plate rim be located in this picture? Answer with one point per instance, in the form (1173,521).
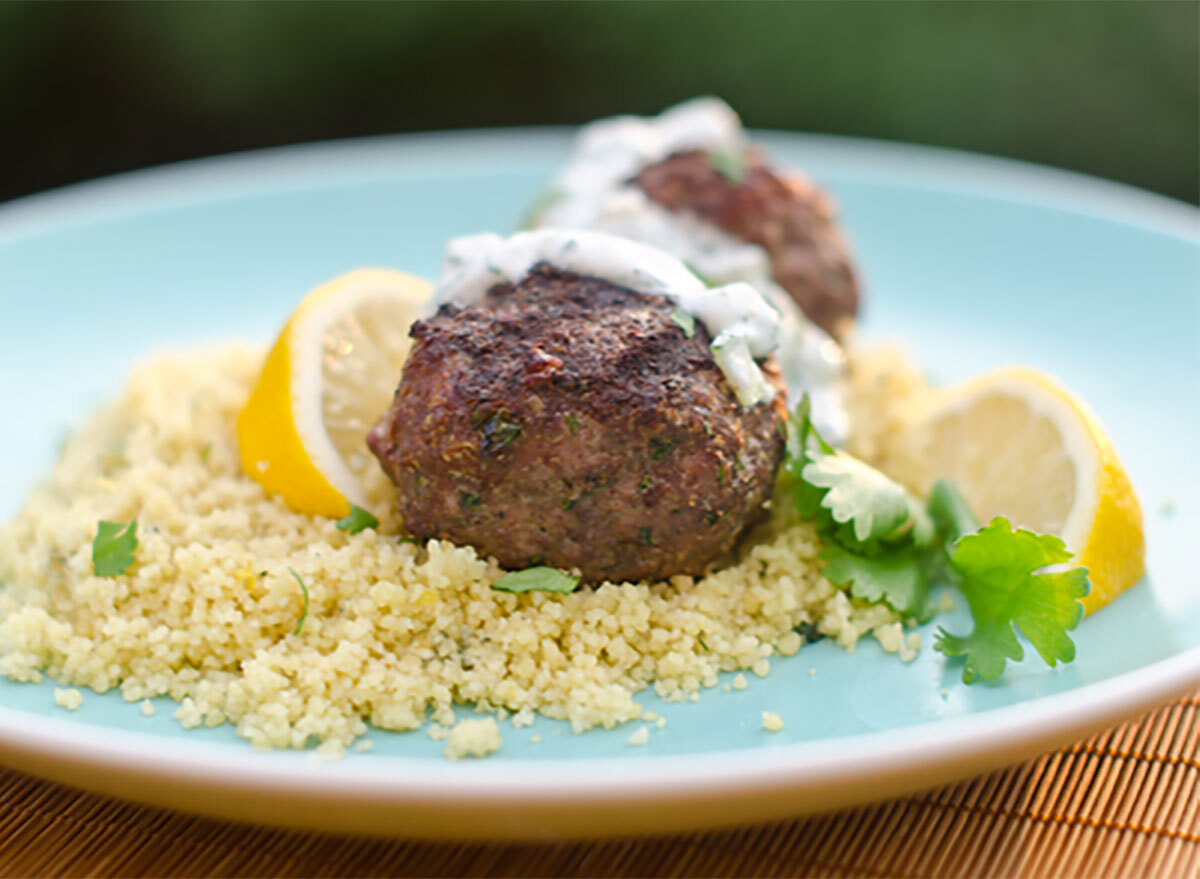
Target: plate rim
(289,166)
(1007,730)
(571,779)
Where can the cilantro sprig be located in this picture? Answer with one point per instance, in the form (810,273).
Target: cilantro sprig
(1000,572)
(901,579)
(729,164)
(539,579)
(357,521)
(685,320)
(877,535)
(113,548)
(858,506)
(884,545)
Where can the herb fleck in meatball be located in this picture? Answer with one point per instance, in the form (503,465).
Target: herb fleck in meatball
(788,216)
(571,422)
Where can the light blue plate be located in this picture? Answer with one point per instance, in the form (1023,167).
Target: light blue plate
(973,262)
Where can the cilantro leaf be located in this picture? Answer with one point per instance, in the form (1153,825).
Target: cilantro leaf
(949,511)
(113,548)
(357,520)
(921,530)
(851,502)
(730,165)
(900,579)
(878,537)
(1000,572)
(859,495)
(808,631)
(540,579)
(498,431)
(802,442)
(304,612)
(685,320)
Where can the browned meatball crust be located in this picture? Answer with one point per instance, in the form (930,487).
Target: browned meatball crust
(570,422)
(788,216)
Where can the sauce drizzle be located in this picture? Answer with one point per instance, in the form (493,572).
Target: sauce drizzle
(743,326)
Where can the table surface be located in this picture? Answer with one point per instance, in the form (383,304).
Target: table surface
(1123,803)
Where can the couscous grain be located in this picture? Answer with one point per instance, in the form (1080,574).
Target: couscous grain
(473,738)
(69,698)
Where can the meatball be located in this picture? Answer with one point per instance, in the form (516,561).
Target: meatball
(789,217)
(571,422)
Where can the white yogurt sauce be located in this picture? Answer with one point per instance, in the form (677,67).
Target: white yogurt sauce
(593,192)
(743,326)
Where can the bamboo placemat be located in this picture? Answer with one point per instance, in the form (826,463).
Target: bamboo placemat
(1123,803)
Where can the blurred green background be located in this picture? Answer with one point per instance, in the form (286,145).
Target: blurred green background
(1108,88)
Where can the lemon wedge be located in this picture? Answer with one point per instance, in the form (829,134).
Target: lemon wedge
(330,374)
(1018,444)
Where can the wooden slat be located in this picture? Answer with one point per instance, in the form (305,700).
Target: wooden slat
(1125,803)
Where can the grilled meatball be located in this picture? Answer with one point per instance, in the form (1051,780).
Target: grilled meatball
(789,217)
(571,422)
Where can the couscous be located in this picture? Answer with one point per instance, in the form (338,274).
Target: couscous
(213,616)
(771,721)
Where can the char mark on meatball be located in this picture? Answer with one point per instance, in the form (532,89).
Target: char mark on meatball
(789,217)
(571,422)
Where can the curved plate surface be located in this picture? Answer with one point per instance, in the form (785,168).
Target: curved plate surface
(972,261)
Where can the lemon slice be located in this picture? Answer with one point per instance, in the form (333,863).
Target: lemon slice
(330,374)
(1017,444)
